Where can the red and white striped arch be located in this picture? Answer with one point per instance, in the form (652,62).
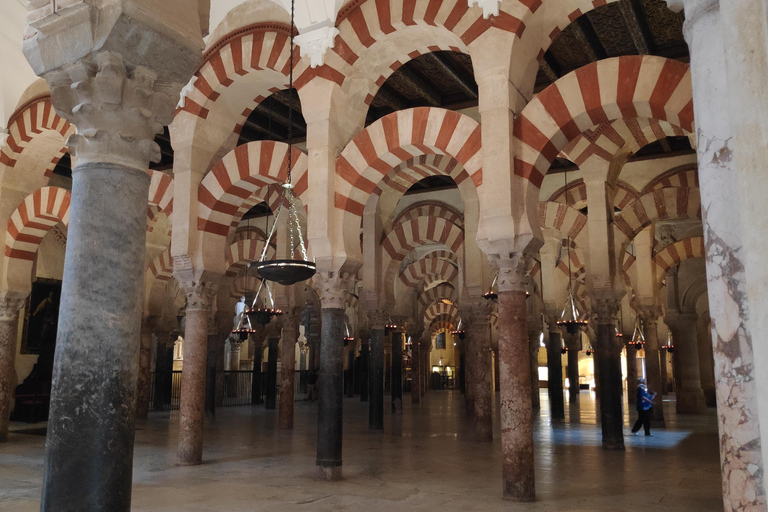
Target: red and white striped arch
(600,92)
(160,197)
(244,284)
(161,266)
(577,195)
(674,254)
(684,176)
(416,169)
(431,264)
(567,220)
(440,308)
(242,252)
(426,226)
(31,120)
(437,293)
(233,185)
(35,216)
(661,204)
(439,325)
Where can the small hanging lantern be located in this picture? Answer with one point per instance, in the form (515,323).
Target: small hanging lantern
(389,326)
(668,345)
(288,271)
(263,308)
(347,336)
(244,328)
(459,332)
(638,338)
(493,291)
(571,317)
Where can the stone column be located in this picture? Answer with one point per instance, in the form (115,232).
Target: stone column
(192,409)
(350,373)
(118,100)
(10,304)
(163,368)
(650,316)
(145,368)
(364,369)
(632,374)
(555,373)
(534,345)
(397,370)
(475,315)
(270,402)
(573,343)
(288,367)
(234,354)
(723,108)
(706,362)
(214,367)
(517,468)
(376,403)
(496,384)
(255,341)
(690,396)
(665,373)
(469,382)
(331,378)
(416,367)
(608,355)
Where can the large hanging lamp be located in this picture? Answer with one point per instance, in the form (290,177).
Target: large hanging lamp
(571,317)
(263,307)
(244,327)
(297,267)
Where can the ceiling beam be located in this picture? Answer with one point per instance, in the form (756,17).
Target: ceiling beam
(468,85)
(392,98)
(637,26)
(587,36)
(424,89)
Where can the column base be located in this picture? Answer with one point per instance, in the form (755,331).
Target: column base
(188,462)
(511,493)
(329,474)
(691,402)
(615,447)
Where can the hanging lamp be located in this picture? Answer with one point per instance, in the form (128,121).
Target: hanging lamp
(638,338)
(459,331)
(347,336)
(292,270)
(263,307)
(668,345)
(493,290)
(244,327)
(571,317)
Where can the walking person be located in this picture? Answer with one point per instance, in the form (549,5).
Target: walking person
(644,407)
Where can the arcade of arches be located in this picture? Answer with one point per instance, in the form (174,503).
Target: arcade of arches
(461,167)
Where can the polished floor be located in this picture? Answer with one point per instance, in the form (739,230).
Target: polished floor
(425,460)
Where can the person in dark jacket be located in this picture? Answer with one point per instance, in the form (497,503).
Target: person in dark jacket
(644,407)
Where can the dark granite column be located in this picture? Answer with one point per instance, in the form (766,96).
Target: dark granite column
(416,367)
(364,370)
(376,378)
(397,370)
(163,371)
(632,373)
(518,478)
(145,370)
(10,304)
(288,367)
(255,341)
(608,358)
(349,383)
(573,342)
(193,374)
(690,396)
(650,315)
(555,373)
(664,368)
(270,402)
(534,345)
(475,316)
(469,375)
(331,378)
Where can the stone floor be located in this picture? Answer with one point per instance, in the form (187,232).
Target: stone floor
(425,460)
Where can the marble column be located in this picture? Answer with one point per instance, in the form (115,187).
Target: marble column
(288,368)
(145,369)
(331,377)
(706,362)
(555,373)
(726,105)
(416,367)
(10,304)
(270,402)
(469,381)
(608,357)
(573,343)
(255,342)
(214,368)
(518,479)
(632,374)
(234,354)
(364,369)
(475,315)
(192,408)
(163,368)
(397,371)
(665,373)
(650,317)
(690,396)
(534,346)
(376,376)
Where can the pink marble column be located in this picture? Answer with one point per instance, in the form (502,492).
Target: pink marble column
(469,369)
(9,323)
(192,408)
(535,345)
(518,477)
(288,367)
(145,367)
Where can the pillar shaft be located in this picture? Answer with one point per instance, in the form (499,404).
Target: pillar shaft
(574,346)
(534,359)
(555,374)
(690,396)
(288,370)
(330,384)
(653,356)
(255,346)
(192,407)
(376,402)
(270,401)
(518,477)
(145,372)
(632,374)
(364,370)
(9,323)
(416,369)
(94,383)
(475,315)
(397,372)
(608,355)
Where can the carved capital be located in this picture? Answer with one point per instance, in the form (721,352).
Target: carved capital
(475,313)
(200,295)
(378,319)
(10,304)
(117,107)
(650,313)
(605,309)
(511,273)
(332,288)
(315,43)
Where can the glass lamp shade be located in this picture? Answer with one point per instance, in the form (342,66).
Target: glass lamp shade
(285,272)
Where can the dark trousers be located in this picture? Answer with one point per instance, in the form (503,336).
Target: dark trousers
(644,420)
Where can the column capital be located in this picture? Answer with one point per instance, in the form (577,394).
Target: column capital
(200,295)
(511,273)
(650,313)
(605,307)
(332,288)
(10,304)
(475,311)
